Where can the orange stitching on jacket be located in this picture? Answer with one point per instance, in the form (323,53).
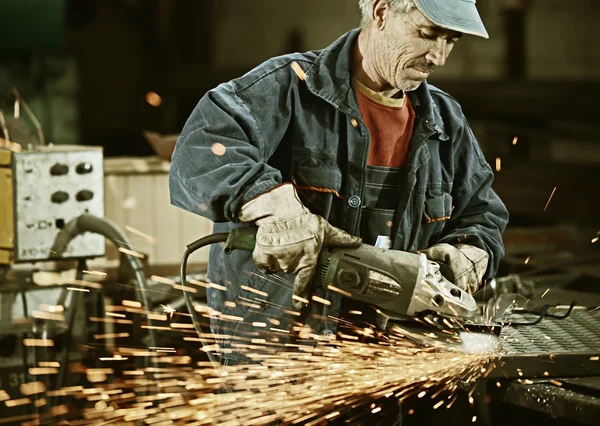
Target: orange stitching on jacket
(313,188)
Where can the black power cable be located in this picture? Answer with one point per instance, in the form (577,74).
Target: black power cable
(191,248)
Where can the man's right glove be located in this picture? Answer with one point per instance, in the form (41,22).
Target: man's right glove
(463,265)
(290,237)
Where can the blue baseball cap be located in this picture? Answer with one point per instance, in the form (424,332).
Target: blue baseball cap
(456,15)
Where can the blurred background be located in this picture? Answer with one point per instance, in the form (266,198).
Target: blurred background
(125,74)
(103,72)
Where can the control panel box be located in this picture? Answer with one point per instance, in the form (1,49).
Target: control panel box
(41,190)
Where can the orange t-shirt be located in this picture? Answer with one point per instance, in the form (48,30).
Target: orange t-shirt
(390,122)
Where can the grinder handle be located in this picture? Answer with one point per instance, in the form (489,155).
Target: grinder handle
(241,239)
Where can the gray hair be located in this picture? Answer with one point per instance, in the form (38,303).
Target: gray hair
(398,6)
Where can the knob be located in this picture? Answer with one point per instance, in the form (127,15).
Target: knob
(349,278)
(59,197)
(84,195)
(59,169)
(84,168)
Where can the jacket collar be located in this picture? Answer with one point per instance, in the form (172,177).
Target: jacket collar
(329,78)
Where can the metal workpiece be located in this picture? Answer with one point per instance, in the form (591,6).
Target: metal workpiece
(43,188)
(553,348)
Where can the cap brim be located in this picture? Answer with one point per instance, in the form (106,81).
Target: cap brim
(461,16)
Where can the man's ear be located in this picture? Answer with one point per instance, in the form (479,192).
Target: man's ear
(381,9)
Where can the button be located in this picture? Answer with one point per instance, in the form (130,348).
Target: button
(84,168)
(59,169)
(327,332)
(84,195)
(59,197)
(354,201)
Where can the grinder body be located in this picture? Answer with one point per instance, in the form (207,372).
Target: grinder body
(399,283)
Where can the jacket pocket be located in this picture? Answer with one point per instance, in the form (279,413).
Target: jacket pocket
(376,223)
(318,187)
(437,209)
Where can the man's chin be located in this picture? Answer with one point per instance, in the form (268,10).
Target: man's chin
(411,85)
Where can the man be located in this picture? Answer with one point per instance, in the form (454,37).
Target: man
(324,147)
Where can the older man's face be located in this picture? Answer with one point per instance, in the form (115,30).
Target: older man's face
(410,48)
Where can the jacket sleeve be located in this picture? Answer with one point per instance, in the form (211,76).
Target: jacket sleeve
(479,217)
(220,159)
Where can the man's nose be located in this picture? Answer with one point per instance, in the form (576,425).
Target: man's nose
(437,55)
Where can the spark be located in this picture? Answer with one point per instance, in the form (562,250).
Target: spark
(252,290)
(300,299)
(114,358)
(218,149)
(556,383)
(595,240)
(310,383)
(38,371)
(101,274)
(321,300)
(82,290)
(38,342)
(153,99)
(498,164)
(49,364)
(474,419)
(148,238)
(299,71)
(131,303)
(110,335)
(132,253)
(16,402)
(339,290)
(169,310)
(594,358)
(527,260)
(32,388)
(546,292)
(550,199)
(515,140)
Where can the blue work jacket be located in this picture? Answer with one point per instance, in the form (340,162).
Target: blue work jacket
(275,127)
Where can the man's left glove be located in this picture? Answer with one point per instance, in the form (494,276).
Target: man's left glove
(464,265)
(290,237)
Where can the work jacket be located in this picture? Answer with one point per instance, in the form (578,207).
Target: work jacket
(276,127)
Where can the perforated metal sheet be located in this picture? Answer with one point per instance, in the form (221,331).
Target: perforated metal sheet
(553,348)
(580,332)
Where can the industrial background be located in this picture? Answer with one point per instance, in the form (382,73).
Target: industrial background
(124,75)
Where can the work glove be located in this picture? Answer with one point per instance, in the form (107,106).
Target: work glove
(290,237)
(464,265)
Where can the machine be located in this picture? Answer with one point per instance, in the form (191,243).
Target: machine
(42,189)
